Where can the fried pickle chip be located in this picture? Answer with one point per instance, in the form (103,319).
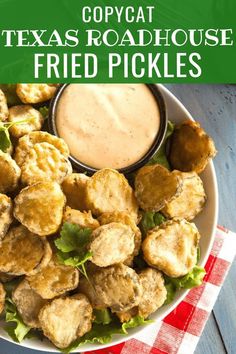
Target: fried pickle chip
(172,247)
(74,187)
(155,186)
(10,173)
(124,218)
(5,214)
(53,280)
(154,292)
(191,199)
(108,190)
(153,297)
(44,162)
(191,148)
(117,286)
(40,207)
(3,107)
(66,319)
(26,252)
(83,219)
(28,303)
(27,141)
(24,112)
(2,298)
(35,93)
(111,243)
(85,287)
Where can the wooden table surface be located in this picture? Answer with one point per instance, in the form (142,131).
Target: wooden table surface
(215,107)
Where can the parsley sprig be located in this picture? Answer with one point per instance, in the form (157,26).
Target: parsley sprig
(72,246)
(5,139)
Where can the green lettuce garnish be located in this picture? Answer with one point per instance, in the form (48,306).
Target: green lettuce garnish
(189,281)
(160,156)
(44,111)
(5,140)
(150,220)
(102,333)
(72,246)
(102,316)
(19,331)
(134,322)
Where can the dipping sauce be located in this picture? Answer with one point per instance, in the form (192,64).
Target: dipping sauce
(108,125)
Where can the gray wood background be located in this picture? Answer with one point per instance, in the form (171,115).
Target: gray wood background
(215,107)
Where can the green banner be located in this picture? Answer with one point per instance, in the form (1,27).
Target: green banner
(118,41)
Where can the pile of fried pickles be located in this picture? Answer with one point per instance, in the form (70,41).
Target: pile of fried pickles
(74,246)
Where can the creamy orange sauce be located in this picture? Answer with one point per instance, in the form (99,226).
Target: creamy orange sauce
(108,125)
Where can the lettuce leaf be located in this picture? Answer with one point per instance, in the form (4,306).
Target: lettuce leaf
(102,316)
(19,331)
(150,220)
(160,156)
(72,246)
(134,322)
(189,281)
(44,111)
(5,140)
(103,333)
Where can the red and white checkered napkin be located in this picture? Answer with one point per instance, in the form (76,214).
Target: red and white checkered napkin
(180,331)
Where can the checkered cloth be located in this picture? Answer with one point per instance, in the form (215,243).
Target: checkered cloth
(180,331)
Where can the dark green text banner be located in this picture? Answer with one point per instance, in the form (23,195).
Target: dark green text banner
(118,41)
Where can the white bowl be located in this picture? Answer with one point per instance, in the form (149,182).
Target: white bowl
(205,221)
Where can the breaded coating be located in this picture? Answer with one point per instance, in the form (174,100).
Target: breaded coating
(153,297)
(117,286)
(191,199)
(40,207)
(24,112)
(111,244)
(74,188)
(29,140)
(155,186)
(85,287)
(107,191)
(66,319)
(3,107)
(83,219)
(53,280)
(44,162)
(2,298)
(26,252)
(172,247)
(154,292)
(124,218)
(191,148)
(35,93)
(10,173)
(6,217)
(28,303)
